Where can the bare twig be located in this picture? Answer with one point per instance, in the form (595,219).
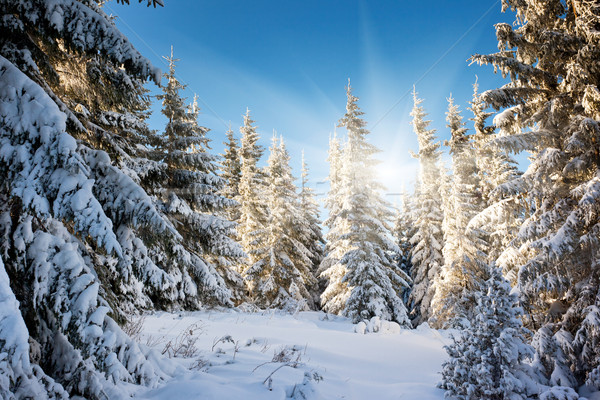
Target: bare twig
(184,345)
(222,339)
(133,327)
(236,348)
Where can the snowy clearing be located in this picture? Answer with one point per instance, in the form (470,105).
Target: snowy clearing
(318,356)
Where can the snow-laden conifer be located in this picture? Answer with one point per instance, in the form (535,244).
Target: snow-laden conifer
(112,106)
(55,234)
(231,171)
(281,278)
(334,293)
(505,209)
(465,266)
(308,229)
(88,237)
(254,211)
(487,361)
(19,377)
(428,240)
(106,107)
(551,108)
(373,282)
(70,87)
(404,229)
(189,195)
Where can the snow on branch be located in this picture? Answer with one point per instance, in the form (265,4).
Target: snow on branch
(72,21)
(41,159)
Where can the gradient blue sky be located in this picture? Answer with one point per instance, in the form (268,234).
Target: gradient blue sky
(289,61)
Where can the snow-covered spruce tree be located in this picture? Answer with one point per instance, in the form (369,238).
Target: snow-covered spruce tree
(404,229)
(483,152)
(62,209)
(487,360)
(281,278)
(428,240)
(222,248)
(106,106)
(499,222)
(552,109)
(373,279)
(254,212)
(334,292)
(231,171)
(113,107)
(309,228)
(465,267)
(189,195)
(54,234)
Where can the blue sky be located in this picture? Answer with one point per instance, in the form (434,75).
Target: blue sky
(289,61)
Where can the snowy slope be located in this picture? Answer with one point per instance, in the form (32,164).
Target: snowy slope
(326,359)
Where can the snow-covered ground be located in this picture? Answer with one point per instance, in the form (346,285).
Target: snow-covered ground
(307,355)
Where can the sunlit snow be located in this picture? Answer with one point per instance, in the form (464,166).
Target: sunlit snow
(326,358)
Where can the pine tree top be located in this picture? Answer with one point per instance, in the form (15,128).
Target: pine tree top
(153,3)
(428,146)
(250,150)
(478,107)
(182,128)
(351,120)
(458,139)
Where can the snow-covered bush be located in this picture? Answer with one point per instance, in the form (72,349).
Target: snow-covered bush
(489,360)
(559,393)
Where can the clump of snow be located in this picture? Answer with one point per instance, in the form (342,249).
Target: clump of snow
(559,393)
(377,325)
(361,328)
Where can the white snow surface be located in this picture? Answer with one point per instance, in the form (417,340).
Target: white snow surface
(389,364)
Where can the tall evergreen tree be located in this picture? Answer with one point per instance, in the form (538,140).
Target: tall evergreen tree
(254,211)
(552,109)
(107,109)
(499,223)
(334,293)
(465,267)
(66,208)
(231,171)
(428,240)
(309,228)
(111,107)
(373,281)
(189,195)
(484,152)
(282,276)
(404,229)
